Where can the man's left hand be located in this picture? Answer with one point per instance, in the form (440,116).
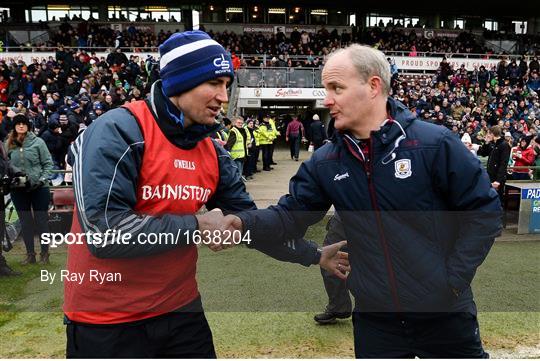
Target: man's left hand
(335,261)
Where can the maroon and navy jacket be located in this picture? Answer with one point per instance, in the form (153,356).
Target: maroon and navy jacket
(419,214)
(137,171)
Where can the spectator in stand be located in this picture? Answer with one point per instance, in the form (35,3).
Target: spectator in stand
(72,88)
(4,85)
(109,104)
(534,64)
(37,119)
(235,61)
(4,121)
(534,81)
(509,139)
(75,113)
(95,113)
(55,143)
(69,129)
(514,73)
(523,156)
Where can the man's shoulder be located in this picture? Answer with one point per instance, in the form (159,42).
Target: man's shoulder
(426,132)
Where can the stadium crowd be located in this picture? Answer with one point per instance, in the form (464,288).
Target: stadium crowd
(64,94)
(469,103)
(394,37)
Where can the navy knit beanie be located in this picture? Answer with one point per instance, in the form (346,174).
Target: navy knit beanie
(191,58)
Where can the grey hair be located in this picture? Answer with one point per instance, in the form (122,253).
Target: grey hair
(368,62)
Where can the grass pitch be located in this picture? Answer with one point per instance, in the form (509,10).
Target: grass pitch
(259,307)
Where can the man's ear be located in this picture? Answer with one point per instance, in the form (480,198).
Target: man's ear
(375,84)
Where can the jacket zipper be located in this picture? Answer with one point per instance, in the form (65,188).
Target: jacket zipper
(388,258)
(23,159)
(368,168)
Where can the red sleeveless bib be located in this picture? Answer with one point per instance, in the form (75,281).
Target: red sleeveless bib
(171,181)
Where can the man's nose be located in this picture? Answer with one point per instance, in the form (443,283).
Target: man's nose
(328,100)
(222,94)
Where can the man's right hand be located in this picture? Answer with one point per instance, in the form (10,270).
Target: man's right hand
(231,225)
(210,221)
(216,221)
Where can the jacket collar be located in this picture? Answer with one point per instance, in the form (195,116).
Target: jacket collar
(167,116)
(389,132)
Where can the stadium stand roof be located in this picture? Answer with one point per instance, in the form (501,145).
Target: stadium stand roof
(524,8)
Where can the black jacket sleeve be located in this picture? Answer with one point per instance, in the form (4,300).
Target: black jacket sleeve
(504,157)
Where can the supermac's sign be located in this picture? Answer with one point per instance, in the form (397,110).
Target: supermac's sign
(283,93)
(288,93)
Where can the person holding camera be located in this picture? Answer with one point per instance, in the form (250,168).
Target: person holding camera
(8,172)
(30,193)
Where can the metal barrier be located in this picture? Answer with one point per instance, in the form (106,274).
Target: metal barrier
(532,167)
(60,171)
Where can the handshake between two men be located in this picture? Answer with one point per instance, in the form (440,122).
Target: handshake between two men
(332,259)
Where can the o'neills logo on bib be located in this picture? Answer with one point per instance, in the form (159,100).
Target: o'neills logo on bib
(183,192)
(184,164)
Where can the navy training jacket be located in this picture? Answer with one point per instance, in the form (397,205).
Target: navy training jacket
(420,217)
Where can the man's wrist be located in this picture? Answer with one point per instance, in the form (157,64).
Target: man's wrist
(318,255)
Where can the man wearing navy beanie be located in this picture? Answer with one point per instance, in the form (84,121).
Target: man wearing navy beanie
(144,169)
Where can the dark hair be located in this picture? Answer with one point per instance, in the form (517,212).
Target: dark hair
(495,130)
(13,140)
(21,118)
(527,141)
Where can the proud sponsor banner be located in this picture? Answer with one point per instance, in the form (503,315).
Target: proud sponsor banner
(433,63)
